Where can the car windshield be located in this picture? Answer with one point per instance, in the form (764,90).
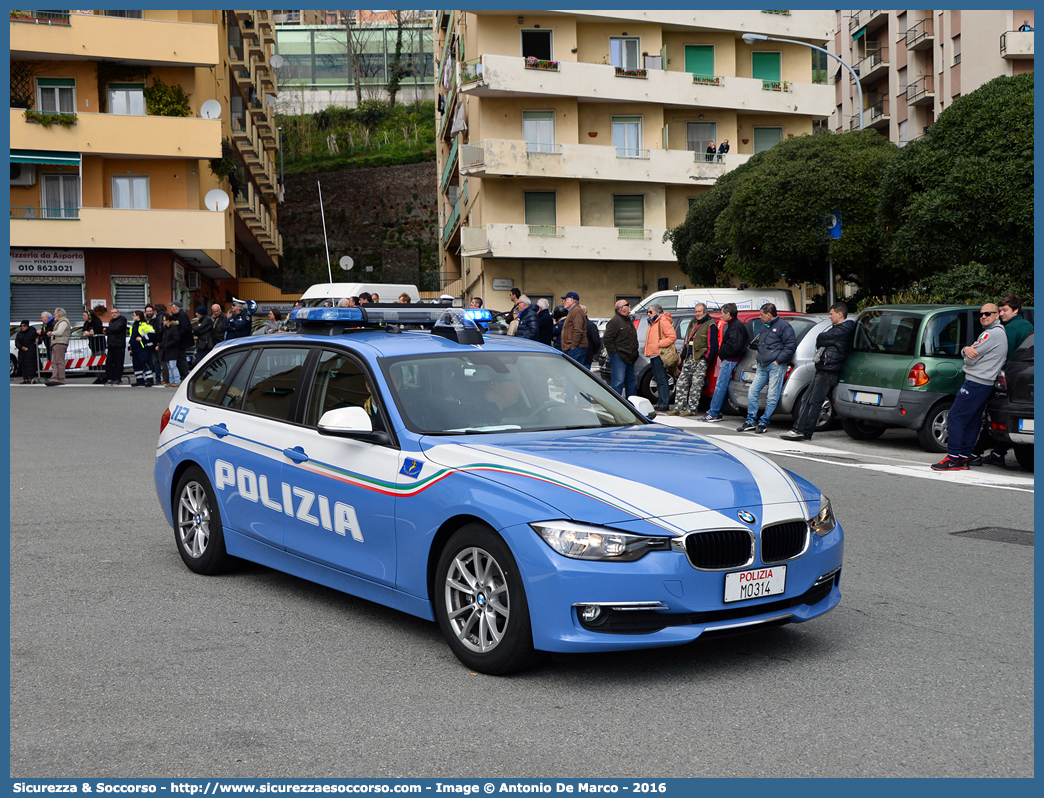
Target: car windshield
(483,392)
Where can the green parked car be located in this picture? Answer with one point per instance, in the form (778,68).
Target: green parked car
(905,370)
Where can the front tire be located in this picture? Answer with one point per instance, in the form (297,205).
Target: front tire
(861,430)
(197,524)
(934,433)
(480,603)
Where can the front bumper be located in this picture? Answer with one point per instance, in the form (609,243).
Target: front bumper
(897,409)
(661,600)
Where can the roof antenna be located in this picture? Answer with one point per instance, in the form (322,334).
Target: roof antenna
(329,271)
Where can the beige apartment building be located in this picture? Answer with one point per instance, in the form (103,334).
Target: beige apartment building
(913,64)
(568,143)
(110,176)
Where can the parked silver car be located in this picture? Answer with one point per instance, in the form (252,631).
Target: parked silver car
(799,374)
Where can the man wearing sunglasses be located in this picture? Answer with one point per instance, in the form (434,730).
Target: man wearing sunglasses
(983,360)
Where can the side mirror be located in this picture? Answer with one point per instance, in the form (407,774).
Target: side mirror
(348,421)
(643,406)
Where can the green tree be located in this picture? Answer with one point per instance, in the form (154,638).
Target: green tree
(963,194)
(764,221)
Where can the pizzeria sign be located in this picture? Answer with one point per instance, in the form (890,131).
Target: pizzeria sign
(26,262)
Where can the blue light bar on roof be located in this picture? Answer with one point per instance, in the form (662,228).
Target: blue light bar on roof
(327,314)
(478,314)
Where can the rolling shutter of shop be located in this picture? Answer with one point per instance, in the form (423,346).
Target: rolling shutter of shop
(130,297)
(29,300)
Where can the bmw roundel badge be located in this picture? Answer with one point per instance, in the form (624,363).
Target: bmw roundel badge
(746,517)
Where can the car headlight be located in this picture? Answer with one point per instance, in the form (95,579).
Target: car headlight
(582,542)
(823,521)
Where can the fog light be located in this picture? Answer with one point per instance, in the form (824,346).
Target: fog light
(590,612)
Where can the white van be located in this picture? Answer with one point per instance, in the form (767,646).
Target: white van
(388,292)
(714,298)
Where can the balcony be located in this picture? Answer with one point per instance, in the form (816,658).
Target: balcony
(798,24)
(921,36)
(92,37)
(117,228)
(516,158)
(871,20)
(921,91)
(507,76)
(568,243)
(111,135)
(872,67)
(1016,45)
(45,213)
(877,115)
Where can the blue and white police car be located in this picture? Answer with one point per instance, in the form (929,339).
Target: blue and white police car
(489,483)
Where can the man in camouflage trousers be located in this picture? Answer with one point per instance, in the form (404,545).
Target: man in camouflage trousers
(699,352)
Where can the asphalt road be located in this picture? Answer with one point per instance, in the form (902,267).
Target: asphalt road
(124,663)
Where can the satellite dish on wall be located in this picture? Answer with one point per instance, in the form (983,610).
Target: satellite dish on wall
(216,200)
(211,109)
(347,263)
(276,61)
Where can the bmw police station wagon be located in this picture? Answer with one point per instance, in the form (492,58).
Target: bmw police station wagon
(491,484)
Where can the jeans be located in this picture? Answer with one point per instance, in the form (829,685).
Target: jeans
(773,375)
(962,422)
(623,378)
(663,387)
(822,385)
(721,389)
(578,353)
(172,367)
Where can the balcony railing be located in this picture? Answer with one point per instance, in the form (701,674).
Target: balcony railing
(920,89)
(544,147)
(632,232)
(623,72)
(920,33)
(44,17)
(708,80)
(470,71)
(537,63)
(872,60)
(628,152)
(710,157)
(545,230)
(45,213)
(879,110)
(472,155)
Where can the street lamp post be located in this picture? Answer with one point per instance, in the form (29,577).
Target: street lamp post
(750,38)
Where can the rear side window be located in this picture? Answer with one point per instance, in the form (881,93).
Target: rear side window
(944,334)
(270,390)
(207,387)
(886,331)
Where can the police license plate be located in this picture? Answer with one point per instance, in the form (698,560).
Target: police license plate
(866,398)
(1025,425)
(748,376)
(755,583)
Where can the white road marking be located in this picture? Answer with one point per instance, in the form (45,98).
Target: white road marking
(989,477)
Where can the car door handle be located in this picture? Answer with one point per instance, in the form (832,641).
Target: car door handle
(219,429)
(296,454)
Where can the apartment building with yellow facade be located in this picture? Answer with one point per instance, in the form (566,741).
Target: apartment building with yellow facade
(108,194)
(569,142)
(913,63)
